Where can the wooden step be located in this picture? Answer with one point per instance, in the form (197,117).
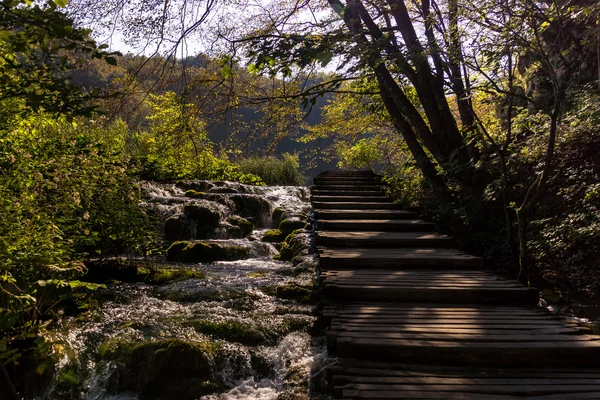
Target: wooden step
(351,199)
(397,258)
(342,172)
(364,214)
(345,181)
(352,379)
(381,225)
(347,193)
(355,206)
(345,187)
(382,239)
(509,354)
(438,286)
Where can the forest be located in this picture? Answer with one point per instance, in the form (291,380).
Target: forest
(483,116)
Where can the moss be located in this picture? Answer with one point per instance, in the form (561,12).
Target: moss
(162,276)
(246,226)
(155,369)
(177,228)
(273,235)
(258,274)
(288,226)
(203,216)
(291,247)
(233,331)
(205,252)
(277,215)
(294,292)
(194,194)
(69,383)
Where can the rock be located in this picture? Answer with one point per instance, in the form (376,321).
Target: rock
(229,187)
(294,292)
(167,369)
(194,194)
(207,220)
(277,216)
(199,186)
(253,206)
(114,268)
(233,331)
(220,198)
(234,232)
(293,246)
(289,225)
(205,252)
(274,235)
(178,228)
(224,189)
(246,226)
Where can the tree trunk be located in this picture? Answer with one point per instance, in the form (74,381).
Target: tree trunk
(523,275)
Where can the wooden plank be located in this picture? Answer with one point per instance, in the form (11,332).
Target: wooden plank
(389,395)
(363,214)
(355,205)
(505,296)
(401,258)
(386,225)
(482,337)
(346,193)
(535,354)
(351,199)
(378,239)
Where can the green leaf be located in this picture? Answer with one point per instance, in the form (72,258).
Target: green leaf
(110,60)
(61,3)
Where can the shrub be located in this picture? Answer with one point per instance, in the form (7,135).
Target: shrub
(274,171)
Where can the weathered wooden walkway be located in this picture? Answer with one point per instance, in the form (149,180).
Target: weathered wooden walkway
(411,318)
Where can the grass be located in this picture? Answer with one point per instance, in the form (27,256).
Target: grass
(274,171)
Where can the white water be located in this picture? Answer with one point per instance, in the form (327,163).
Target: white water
(236,291)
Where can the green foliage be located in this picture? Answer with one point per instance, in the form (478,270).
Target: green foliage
(364,154)
(176,146)
(63,197)
(39,46)
(274,171)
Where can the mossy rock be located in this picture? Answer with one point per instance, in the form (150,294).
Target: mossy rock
(168,369)
(274,235)
(297,293)
(199,186)
(291,247)
(163,276)
(203,216)
(288,226)
(106,269)
(194,194)
(177,228)
(233,331)
(277,215)
(253,206)
(246,226)
(69,383)
(234,232)
(190,252)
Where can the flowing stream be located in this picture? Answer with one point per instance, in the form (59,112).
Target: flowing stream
(261,345)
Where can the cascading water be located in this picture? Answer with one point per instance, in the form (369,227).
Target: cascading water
(225,333)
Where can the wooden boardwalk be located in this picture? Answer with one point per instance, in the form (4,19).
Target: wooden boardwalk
(409,317)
